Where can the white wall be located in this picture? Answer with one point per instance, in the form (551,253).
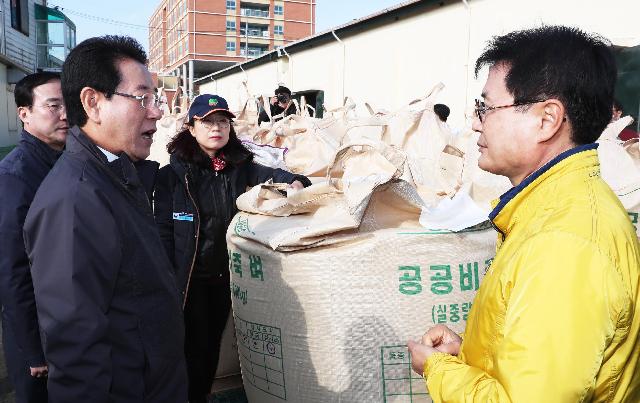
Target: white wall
(390,65)
(20,49)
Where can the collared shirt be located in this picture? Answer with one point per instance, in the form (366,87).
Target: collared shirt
(110,156)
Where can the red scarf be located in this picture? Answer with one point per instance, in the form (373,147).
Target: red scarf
(217,163)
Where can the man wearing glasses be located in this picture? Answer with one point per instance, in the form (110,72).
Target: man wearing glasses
(109,311)
(40,108)
(556,318)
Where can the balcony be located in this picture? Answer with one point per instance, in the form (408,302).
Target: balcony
(253,12)
(252,52)
(256,33)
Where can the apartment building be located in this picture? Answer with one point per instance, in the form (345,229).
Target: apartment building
(193,38)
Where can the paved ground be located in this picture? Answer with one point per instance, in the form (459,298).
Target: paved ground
(229,396)
(228,390)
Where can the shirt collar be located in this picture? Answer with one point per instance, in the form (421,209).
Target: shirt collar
(110,156)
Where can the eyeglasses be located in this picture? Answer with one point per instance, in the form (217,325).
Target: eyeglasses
(221,123)
(146,100)
(481,109)
(55,108)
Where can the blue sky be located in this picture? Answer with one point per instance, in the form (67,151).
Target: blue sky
(89,16)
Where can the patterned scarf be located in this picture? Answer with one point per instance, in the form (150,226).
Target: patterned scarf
(218,163)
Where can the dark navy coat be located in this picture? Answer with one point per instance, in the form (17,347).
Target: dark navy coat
(21,173)
(108,306)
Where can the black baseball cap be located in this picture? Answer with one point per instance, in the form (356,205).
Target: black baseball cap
(205,104)
(283,90)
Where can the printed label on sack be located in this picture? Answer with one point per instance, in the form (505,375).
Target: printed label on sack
(260,348)
(242,226)
(238,264)
(441,279)
(399,383)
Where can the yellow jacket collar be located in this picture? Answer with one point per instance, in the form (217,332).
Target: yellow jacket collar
(506,206)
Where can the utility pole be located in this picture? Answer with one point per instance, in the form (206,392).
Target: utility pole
(246,37)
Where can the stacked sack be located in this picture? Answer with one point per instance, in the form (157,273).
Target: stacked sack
(620,167)
(329,282)
(172,121)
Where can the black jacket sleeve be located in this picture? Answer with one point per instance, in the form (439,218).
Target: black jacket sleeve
(74,245)
(16,286)
(260,174)
(163,209)
(263,117)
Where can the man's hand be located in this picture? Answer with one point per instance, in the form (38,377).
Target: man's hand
(442,339)
(39,372)
(437,339)
(419,355)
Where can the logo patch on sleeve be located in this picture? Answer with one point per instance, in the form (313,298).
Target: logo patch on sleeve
(183,216)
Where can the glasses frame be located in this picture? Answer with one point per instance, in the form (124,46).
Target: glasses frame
(481,109)
(53,108)
(157,102)
(208,124)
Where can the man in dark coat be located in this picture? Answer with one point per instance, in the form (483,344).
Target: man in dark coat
(41,109)
(108,306)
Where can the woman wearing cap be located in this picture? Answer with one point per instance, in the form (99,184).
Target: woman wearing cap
(194,204)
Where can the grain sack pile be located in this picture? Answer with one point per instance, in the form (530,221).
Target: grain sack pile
(329,282)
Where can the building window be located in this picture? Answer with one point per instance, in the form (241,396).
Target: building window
(278,10)
(231,26)
(231,46)
(231,4)
(20,16)
(278,30)
(55,37)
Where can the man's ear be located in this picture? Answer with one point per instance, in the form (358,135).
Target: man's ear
(90,99)
(552,119)
(23,114)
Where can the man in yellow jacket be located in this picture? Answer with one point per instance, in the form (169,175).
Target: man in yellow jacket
(557,317)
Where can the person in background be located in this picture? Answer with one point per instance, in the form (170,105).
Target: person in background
(279,104)
(557,316)
(194,204)
(442,111)
(108,307)
(616,113)
(41,109)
